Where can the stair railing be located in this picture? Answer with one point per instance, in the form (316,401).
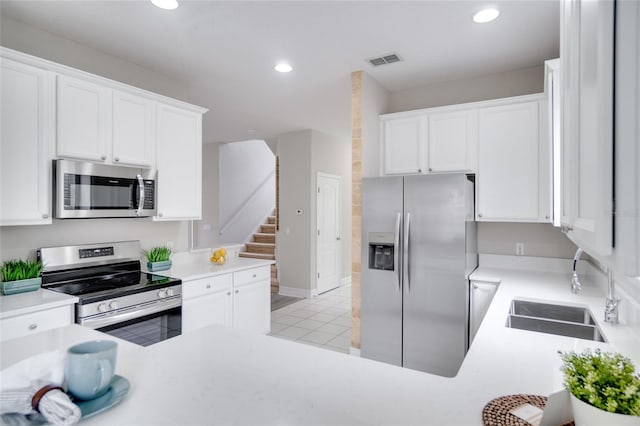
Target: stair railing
(246,203)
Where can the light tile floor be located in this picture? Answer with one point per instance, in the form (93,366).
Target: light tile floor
(323,321)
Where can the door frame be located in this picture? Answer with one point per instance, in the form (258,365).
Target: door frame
(339,225)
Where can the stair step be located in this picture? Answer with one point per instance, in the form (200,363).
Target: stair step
(268,229)
(257,255)
(268,248)
(271,219)
(264,238)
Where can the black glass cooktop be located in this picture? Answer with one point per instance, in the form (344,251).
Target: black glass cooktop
(108,284)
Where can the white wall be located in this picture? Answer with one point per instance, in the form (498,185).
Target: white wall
(375,101)
(205,231)
(22,241)
(333,156)
(293,241)
(247,188)
(540,239)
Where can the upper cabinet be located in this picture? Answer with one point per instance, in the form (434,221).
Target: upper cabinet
(586,55)
(82,119)
(133,130)
(512,184)
(179,164)
(26,143)
(52,111)
(452,141)
(404,144)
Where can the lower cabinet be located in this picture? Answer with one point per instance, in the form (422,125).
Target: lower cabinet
(241,300)
(35,322)
(480,297)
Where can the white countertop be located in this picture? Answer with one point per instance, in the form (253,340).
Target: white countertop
(225,376)
(33,301)
(195,265)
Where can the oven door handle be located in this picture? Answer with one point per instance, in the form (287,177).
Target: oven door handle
(107,319)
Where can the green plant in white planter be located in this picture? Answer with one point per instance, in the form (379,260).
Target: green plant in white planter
(606,381)
(158,258)
(19,276)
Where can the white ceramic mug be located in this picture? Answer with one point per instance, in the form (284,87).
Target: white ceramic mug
(89,368)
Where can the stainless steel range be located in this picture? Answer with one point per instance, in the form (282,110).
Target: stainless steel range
(115,296)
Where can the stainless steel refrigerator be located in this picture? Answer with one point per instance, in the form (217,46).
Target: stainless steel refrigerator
(419,246)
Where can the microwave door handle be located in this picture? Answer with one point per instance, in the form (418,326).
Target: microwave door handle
(141,195)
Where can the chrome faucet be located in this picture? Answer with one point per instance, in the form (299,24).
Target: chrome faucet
(575,283)
(611,304)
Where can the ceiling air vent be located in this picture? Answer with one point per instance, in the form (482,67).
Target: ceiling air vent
(384,59)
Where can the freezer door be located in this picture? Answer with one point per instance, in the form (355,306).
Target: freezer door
(381,306)
(435,286)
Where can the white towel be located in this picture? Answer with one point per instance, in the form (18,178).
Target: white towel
(19,382)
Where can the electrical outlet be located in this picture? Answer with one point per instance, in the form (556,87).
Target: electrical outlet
(520,249)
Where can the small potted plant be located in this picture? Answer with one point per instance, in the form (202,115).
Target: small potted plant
(158,258)
(19,276)
(604,388)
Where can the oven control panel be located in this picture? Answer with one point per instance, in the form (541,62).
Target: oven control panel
(95,252)
(128,303)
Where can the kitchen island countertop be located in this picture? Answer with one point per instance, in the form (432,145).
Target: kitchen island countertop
(225,376)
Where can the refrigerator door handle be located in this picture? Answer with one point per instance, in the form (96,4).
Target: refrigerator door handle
(405,252)
(396,251)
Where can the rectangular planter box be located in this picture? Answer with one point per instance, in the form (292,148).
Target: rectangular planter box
(21,286)
(159,266)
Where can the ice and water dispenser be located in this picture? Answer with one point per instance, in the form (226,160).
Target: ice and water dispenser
(381,250)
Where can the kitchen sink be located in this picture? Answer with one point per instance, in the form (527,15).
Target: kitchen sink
(571,321)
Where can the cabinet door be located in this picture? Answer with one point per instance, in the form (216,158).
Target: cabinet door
(27,135)
(133,130)
(83,118)
(481,296)
(404,145)
(452,141)
(179,162)
(508,181)
(587,67)
(36,322)
(252,307)
(214,308)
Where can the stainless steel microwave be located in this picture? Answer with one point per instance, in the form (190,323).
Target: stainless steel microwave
(85,190)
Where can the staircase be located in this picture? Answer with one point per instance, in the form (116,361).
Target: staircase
(263,246)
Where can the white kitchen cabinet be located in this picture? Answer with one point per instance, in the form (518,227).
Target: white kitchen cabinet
(83,119)
(404,141)
(553,90)
(252,299)
(26,143)
(35,322)
(452,141)
(480,297)
(513,180)
(133,130)
(179,163)
(587,43)
(207,301)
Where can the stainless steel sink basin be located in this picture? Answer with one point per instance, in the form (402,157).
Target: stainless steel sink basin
(550,318)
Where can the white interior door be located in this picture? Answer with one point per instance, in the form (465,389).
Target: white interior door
(329,241)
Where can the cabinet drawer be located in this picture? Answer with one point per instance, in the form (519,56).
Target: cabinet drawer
(36,322)
(204,286)
(251,275)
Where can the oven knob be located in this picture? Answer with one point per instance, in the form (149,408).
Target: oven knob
(102,307)
(113,305)
(162,294)
(170,292)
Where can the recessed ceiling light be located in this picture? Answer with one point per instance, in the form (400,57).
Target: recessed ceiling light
(486,15)
(283,67)
(166,4)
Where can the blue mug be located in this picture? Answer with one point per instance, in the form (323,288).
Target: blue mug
(89,368)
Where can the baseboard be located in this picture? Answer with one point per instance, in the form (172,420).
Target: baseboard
(345,281)
(354,351)
(297,292)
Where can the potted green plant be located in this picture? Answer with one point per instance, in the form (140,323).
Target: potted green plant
(158,258)
(604,388)
(19,276)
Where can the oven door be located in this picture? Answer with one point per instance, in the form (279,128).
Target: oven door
(142,325)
